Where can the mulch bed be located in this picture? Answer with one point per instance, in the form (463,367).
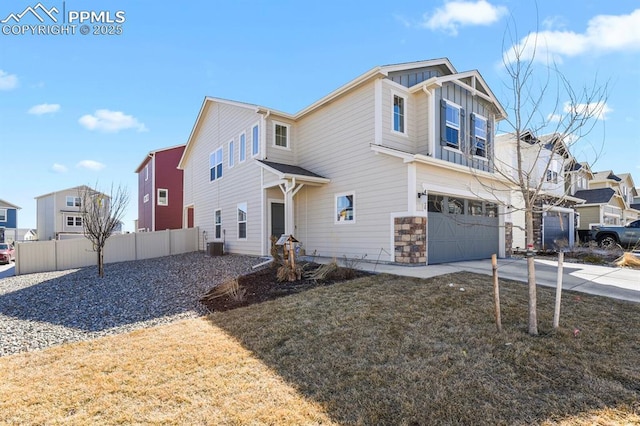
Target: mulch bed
(263,285)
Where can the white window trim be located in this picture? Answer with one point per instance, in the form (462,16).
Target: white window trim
(73,201)
(67,217)
(288,127)
(4,214)
(238,222)
(395,93)
(232,154)
(167,197)
(459,107)
(335,208)
(456,150)
(145,199)
(253,142)
(216,224)
(214,153)
(146,172)
(242,151)
(486,137)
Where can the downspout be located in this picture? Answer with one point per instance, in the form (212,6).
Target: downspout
(431,117)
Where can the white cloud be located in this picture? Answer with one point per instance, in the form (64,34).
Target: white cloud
(44,109)
(108,121)
(59,168)
(8,81)
(597,110)
(460,13)
(604,33)
(90,165)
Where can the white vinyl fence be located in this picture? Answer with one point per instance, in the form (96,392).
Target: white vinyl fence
(58,255)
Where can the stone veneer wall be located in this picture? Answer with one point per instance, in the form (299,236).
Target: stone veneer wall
(410,240)
(508,239)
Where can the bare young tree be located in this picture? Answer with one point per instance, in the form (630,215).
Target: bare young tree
(542,101)
(101,214)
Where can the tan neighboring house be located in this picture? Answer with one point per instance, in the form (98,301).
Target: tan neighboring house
(545,159)
(58,214)
(392,166)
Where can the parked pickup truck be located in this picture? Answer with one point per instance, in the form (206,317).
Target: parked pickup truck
(607,236)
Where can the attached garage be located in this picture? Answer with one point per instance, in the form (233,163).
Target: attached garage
(461,229)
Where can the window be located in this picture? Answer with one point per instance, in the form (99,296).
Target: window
(163,197)
(145,198)
(255,140)
(232,153)
(456,205)
(218,224)
(474,208)
(281,135)
(242,221)
(479,137)
(146,172)
(345,208)
(215,165)
(74,221)
(451,124)
(3,215)
(398,113)
(243,147)
(73,201)
(552,176)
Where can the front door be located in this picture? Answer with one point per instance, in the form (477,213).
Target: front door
(277,219)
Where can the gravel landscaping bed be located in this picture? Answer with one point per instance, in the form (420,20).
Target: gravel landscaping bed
(45,309)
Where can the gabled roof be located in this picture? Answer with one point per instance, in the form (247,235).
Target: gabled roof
(4,203)
(75,188)
(154,152)
(596,196)
(286,171)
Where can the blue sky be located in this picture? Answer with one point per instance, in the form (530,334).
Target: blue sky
(79,109)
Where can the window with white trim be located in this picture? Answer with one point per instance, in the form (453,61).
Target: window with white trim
(552,176)
(243,147)
(242,221)
(3,215)
(146,172)
(345,208)
(232,153)
(75,221)
(479,138)
(163,197)
(281,135)
(215,165)
(73,201)
(255,140)
(399,114)
(217,220)
(452,125)
(145,199)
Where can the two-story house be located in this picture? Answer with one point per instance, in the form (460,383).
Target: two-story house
(160,190)
(396,165)
(8,221)
(544,161)
(59,213)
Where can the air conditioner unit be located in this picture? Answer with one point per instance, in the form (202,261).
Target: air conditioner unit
(215,249)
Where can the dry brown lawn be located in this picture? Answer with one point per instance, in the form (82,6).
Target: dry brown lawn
(377,350)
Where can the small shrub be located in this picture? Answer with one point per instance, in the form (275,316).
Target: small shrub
(275,253)
(230,288)
(287,273)
(324,272)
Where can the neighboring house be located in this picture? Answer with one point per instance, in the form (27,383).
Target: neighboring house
(160,190)
(8,221)
(26,234)
(544,160)
(392,166)
(59,214)
(609,200)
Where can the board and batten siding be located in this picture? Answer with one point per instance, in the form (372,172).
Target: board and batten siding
(471,104)
(335,143)
(220,123)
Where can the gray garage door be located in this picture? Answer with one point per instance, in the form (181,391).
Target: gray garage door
(461,229)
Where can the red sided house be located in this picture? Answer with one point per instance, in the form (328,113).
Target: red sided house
(160,190)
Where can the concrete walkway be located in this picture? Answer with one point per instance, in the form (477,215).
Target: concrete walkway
(618,283)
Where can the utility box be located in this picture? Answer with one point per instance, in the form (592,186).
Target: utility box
(215,249)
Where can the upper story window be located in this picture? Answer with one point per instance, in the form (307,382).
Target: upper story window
(452,126)
(163,197)
(3,215)
(552,176)
(345,208)
(479,137)
(255,140)
(399,114)
(281,135)
(146,172)
(215,165)
(232,153)
(242,221)
(243,147)
(74,221)
(145,199)
(73,201)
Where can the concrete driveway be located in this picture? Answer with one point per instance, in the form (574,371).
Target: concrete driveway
(618,283)
(7,270)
